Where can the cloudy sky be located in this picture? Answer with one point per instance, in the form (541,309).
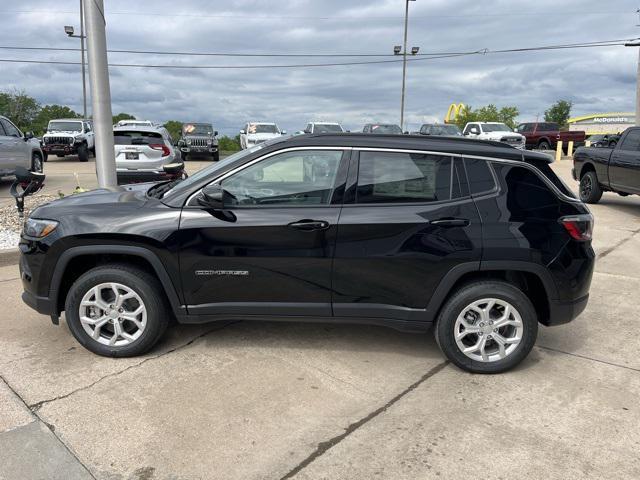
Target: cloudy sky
(596,80)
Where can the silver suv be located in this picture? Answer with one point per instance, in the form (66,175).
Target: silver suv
(18,149)
(142,152)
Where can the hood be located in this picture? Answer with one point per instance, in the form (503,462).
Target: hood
(62,133)
(500,135)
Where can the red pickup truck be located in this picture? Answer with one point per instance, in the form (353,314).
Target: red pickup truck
(545,135)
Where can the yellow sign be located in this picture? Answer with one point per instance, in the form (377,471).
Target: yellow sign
(453,112)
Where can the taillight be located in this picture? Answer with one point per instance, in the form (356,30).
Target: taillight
(161,146)
(580,227)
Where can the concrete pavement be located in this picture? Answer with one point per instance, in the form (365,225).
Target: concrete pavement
(283,400)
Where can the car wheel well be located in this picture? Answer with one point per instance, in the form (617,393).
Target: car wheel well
(529,283)
(83,263)
(586,168)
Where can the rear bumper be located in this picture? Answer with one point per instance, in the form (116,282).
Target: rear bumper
(564,312)
(140,176)
(42,305)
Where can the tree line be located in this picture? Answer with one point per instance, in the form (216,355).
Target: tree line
(30,116)
(559,113)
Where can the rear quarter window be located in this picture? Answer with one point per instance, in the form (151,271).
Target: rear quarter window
(481,179)
(526,192)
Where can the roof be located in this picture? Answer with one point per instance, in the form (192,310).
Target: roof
(139,127)
(69,120)
(455,145)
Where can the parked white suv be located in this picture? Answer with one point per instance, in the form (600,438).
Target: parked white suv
(254,133)
(324,127)
(143,152)
(494,131)
(18,149)
(69,136)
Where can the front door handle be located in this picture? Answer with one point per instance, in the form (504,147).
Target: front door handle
(450,222)
(309,225)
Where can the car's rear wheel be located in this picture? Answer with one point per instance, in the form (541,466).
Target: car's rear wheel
(36,162)
(487,327)
(116,310)
(185,156)
(216,157)
(83,153)
(590,190)
(544,145)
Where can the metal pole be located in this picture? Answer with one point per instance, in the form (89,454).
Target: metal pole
(100,92)
(84,75)
(404,64)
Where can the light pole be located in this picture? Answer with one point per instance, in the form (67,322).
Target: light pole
(403,50)
(69,30)
(636,44)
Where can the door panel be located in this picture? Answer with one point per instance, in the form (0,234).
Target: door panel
(14,147)
(624,171)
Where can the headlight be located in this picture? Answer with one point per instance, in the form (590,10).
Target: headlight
(39,228)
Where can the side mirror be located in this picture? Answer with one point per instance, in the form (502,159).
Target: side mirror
(173,168)
(215,133)
(28,135)
(306,130)
(283,132)
(242,132)
(213,196)
(406,132)
(348,131)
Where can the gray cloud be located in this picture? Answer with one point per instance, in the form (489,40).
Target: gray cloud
(595,79)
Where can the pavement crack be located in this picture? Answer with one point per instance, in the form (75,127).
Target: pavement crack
(607,251)
(589,358)
(36,406)
(323,447)
(49,426)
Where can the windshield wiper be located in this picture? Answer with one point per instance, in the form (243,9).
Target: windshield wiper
(158,190)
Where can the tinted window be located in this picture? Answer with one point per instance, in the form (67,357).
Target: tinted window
(631,140)
(388,177)
(525,127)
(392,129)
(480,177)
(9,129)
(304,177)
(2,132)
(136,138)
(526,192)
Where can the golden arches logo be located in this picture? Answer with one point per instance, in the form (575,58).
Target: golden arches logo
(454,111)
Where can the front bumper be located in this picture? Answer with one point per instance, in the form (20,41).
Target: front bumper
(58,149)
(189,149)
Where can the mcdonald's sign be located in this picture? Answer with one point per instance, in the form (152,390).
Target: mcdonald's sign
(453,112)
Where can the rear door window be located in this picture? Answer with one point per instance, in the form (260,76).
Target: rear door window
(394,177)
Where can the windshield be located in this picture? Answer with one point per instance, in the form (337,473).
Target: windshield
(262,128)
(211,169)
(445,130)
(65,127)
(197,129)
(596,138)
(327,128)
(394,129)
(136,138)
(495,127)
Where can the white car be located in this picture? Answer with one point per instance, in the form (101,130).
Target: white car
(494,131)
(142,152)
(254,133)
(69,136)
(324,127)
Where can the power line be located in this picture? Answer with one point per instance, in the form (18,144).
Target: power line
(331,64)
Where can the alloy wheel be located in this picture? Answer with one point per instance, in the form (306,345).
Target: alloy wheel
(113,314)
(488,330)
(586,186)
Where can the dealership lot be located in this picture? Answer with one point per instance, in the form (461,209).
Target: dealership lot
(286,400)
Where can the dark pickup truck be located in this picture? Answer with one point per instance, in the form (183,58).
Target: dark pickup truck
(609,169)
(545,135)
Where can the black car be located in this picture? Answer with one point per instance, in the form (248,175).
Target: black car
(476,238)
(604,140)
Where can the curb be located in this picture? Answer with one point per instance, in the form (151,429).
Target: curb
(10,256)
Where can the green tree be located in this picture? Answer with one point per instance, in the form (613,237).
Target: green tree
(51,112)
(488,113)
(559,113)
(19,107)
(174,128)
(229,144)
(122,116)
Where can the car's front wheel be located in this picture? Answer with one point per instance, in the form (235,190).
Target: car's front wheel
(36,162)
(487,327)
(116,310)
(590,190)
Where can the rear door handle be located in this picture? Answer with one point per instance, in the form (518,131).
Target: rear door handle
(450,222)
(309,225)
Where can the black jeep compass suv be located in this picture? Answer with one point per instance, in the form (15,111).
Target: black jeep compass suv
(476,238)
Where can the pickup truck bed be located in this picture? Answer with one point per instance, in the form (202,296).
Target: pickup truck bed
(609,169)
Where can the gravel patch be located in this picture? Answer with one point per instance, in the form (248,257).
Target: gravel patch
(10,223)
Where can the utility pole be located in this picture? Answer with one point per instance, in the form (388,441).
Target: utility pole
(84,75)
(396,50)
(636,44)
(100,92)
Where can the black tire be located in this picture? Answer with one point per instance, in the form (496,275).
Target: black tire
(60,155)
(445,326)
(590,190)
(185,156)
(45,156)
(83,153)
(544,145)
(36,162)
(144,284)
(216,157)
(93,151)
(612,144)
